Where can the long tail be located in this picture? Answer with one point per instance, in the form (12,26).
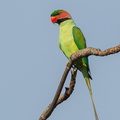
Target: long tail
(87,78)
(90,91)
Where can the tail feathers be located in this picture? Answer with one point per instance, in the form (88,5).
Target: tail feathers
(90,91)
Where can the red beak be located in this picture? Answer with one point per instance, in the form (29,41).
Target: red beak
(53,19)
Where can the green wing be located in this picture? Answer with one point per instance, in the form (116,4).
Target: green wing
(79,40)
(84,65)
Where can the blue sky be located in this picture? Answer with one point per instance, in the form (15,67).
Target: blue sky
(31,63)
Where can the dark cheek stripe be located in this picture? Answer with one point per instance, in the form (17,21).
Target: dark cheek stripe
(61,20)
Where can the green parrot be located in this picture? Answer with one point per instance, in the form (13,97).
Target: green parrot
(71,39)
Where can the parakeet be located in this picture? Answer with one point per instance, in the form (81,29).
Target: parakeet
(71,39)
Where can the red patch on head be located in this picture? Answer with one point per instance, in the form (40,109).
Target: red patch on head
(53,19)
(64,14)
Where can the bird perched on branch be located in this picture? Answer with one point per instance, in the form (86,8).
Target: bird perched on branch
(71,39)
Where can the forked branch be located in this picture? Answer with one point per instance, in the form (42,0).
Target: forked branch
(77,55)
(62,97)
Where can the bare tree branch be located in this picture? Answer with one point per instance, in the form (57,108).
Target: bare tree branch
(62,97)
(77,55)
(93,51)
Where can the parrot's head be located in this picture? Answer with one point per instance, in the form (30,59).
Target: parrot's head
(59,16)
